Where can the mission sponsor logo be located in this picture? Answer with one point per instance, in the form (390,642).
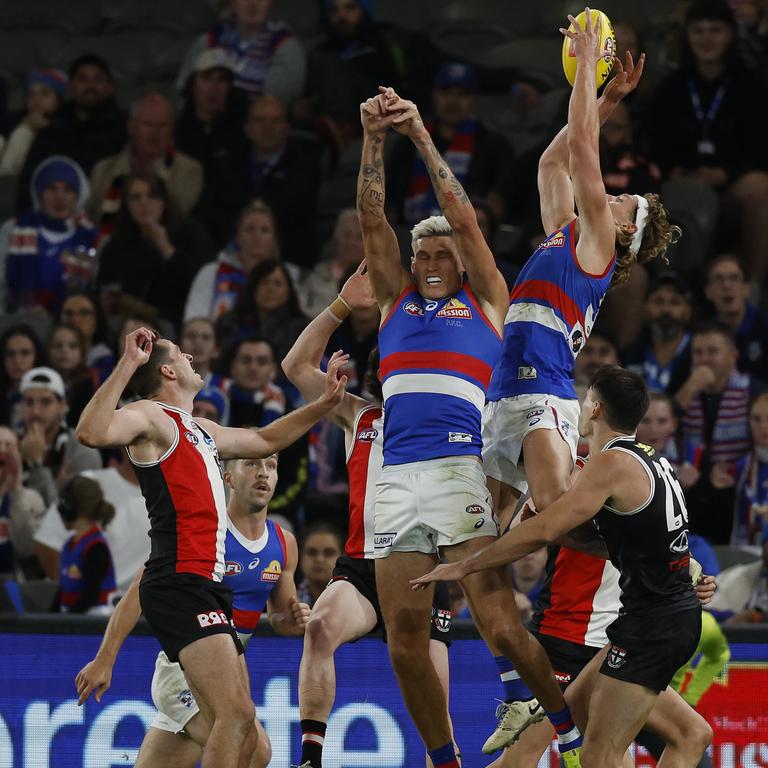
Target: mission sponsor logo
(555,241)
(413,309)
(455,309)
(272,571)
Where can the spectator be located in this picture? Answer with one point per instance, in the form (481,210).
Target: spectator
(198,338)
(127,534)
(21,510)
(479,158)
(216,286)
(50,451)
(66,355)
(49,248)
(348,64)
(751,37)
(321,546)
(211,403)
(705,123)
(715,405)
(148,264)
(268,306)
(87,575)
(662,355)
(46,89)
(82,311)
(255,399)
(702,551)
(21,350)
(489,226)
(150,148)
(527,579)
(728,289)
(321,285)
(750,477)
(600,350)
(628,40)
(87,127)
(268,57)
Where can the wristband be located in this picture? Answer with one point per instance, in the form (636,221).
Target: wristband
(339,309)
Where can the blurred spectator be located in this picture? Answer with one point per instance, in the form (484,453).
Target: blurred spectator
(216,286)
(150,148)
(21,350)
(489,226)
(87,575)
(751,37)
(659,429)
(527,579)
(149,262)
(50,451)
(86,128)
(268,57)
(705,123)
(750,476)
(321,545)
(255,400)
(211,403)
(46,89)
(600,350)
(127,533)
(21,510)
(479,158)
(662,355)
(66,355)
(49,249)
(628,40)
(702,551)
(728,289)
(321,285)
(268,306)
(82,311)
(348,64)
(715,405)
(742,591)
(624,168)
(198,338)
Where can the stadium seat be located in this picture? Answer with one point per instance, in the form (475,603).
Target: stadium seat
(127,53)
(728,556)
(537,57)
(502,12)
(38,596)
(27,47)
(467,39)
(81,16)
(7,197)
(303,18)
(191,16)
(415,16)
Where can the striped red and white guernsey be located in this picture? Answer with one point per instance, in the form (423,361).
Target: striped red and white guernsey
(184,493)
(364,463)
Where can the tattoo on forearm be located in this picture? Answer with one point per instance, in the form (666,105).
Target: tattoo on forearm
(447,187)
(370,181)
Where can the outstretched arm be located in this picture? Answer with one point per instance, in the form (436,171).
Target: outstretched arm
(96,676)
(238,443)
(302,363)
(382,251)
(286,614)
(554,175)
(485,278)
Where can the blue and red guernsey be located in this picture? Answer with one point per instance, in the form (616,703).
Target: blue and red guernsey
(72,560)
(253,570)
(184,493)
(437,358)
(553,308)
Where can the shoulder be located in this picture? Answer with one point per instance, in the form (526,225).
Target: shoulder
(185,164)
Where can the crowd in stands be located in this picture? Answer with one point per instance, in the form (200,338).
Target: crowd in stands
(221,214)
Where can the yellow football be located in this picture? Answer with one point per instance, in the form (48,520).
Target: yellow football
(607,44)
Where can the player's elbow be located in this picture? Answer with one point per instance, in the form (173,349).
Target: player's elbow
(87,436)
(291,367)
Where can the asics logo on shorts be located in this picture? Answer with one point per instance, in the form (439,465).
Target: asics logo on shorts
(212,618)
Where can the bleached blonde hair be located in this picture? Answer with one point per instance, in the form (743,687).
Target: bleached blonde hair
(434,226)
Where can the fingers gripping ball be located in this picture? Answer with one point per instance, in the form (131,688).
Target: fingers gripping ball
(607,44)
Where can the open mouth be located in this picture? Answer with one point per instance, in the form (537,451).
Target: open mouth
(262,487)
(434,280)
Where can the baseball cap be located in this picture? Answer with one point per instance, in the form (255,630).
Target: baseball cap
(42,378)
(214,58)
(456,75)
(671,279)
(215,397)
(56,79)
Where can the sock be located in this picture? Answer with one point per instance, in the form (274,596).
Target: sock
(568,735)
(514,687)
(312,738)
(444,757)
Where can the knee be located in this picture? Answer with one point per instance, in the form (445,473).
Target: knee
(320,635)
(701,736)
(241,717)
(407,655)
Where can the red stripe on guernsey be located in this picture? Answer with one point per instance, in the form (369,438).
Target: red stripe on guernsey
(357,470)
(245,621)
(451,361)
(281,539)
(476,304)
(575,583)
(408,288)
(553,295)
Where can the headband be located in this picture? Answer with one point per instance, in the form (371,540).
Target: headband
(640,218)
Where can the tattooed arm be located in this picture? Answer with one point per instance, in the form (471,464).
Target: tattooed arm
(486,280)
(382,251)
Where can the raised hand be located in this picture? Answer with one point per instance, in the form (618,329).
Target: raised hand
(585,41)
(625,79)
(335,383)
(138,346)
(407,120)
(374,117)
(357,291)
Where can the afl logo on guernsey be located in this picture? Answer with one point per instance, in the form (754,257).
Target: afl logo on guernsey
(455,308)
(233,568)
(367,435)
(191,437)
(577,340)
(413,309)
(272,571)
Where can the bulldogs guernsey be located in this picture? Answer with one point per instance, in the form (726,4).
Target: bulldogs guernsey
(437,357)
(253,570)
(184,493)
(364,461)
(553,308)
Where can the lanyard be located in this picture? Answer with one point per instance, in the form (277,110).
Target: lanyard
(706,119)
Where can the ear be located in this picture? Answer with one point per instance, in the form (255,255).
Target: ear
(630,229)
(168,372)
(228,478)
(596,411)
